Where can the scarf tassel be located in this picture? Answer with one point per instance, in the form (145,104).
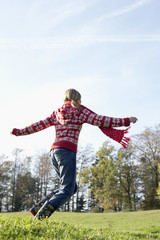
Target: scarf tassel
(125,141)
(126,130)
(117,135)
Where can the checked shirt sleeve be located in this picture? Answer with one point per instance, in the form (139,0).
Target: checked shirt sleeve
(104,121)
(35,127)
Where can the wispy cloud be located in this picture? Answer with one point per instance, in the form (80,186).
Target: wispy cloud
(73,42)
(57,13)
(120,39)
(83,37)
(124,10)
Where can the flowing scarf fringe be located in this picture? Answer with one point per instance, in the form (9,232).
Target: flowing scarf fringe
(117,135)
(125,140)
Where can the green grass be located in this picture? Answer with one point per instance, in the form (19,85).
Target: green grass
(124,225)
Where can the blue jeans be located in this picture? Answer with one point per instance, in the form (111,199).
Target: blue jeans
(64,162)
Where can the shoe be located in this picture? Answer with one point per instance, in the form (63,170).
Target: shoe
(45,211)
(34,210)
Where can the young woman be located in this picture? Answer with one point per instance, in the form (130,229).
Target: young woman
(68,121)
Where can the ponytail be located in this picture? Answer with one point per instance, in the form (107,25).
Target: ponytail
(74,96)
(75,104)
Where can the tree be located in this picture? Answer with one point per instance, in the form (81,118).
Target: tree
(21,180)
(85,157)
(147,147)
(5,169)
(25,188)
(102,177)
(14,173)
(45,177)
(113,180)
(128,180)
(104,181)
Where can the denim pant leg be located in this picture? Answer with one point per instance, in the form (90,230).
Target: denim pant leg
(64,162)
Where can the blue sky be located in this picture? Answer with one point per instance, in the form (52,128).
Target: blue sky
(107,50)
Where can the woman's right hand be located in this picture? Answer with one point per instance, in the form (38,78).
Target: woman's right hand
(133,119)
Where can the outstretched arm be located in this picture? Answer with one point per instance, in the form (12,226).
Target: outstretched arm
(35,127)
(107,124)
(104,121)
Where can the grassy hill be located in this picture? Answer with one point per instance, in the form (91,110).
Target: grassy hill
(124,225)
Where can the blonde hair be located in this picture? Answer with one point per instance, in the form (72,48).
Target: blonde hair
(74,96)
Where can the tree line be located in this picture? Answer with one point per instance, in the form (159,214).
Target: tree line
(111,179)
(127,179)
(25,180)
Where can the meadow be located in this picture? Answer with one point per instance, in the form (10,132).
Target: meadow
(83,226)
